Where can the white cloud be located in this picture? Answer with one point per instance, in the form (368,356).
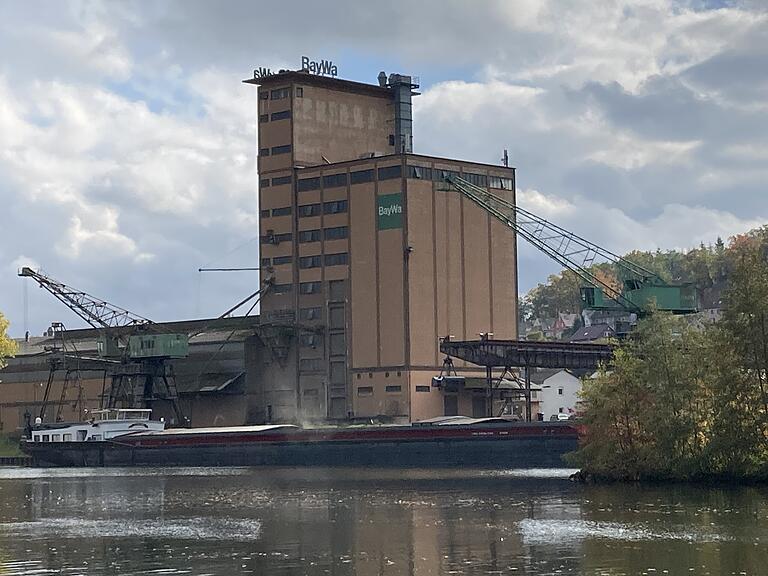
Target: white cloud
(127,142)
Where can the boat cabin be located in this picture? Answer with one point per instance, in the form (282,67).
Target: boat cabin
(103,425)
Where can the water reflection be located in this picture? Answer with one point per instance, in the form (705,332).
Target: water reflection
(363,521)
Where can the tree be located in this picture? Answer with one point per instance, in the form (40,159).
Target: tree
(642,415)
(7,346)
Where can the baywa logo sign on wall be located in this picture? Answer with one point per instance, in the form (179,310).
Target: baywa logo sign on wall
(389,210)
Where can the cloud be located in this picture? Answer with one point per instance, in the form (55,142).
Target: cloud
(128,142)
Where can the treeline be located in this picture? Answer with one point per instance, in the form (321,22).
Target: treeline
(686,403)
(706,267)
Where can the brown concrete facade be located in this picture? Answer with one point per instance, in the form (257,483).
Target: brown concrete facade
(378,288)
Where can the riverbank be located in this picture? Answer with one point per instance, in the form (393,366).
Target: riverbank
(712,480)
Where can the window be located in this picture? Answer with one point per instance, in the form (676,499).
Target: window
(285,211)
(419,173)
(390,172)
(309,262)
(391,139)
(311,364)
(281,149)
(365,390)
(560,410)
(338,233)
(278,260)
(501,183)
(306,236)
(338,373)
(310,288)
(310,340)
(264,213)
(309,210)
(263,151)
(334,180)
(280,93)
(266,262)
(284,237)
(282,288)
(299,92)
(309,184)
(393,388)
(263,95)
(67,437)
(264,183)
(336,259)
(338,344)
(559,391)
(281,115)
(335,207)
(46,438)
(311,392)
(263,117)
(313,313)
(56,438)
(476,179)
(440,175)
(337,289)
(281,180)
(422,388)
(361,176)
(336,318)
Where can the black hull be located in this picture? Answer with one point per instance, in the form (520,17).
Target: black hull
(513,452)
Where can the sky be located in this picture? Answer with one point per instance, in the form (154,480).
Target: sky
(128,141)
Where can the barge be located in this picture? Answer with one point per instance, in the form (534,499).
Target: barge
(130,438)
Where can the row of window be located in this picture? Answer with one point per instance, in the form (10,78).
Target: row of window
(266,182)
(276,261)
(437,175)
(336,288)
(285,211)
(275,150)
(359,177)
(336,233)
(339,259)
(414,172)
(332,207)
(280,93)
(272,238)
(284,115)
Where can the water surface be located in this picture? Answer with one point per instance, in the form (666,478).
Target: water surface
(272,521)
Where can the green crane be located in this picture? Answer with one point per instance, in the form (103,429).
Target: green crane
(641,291)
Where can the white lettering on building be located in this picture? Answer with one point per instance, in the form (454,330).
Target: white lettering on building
(321,68)
(390,210)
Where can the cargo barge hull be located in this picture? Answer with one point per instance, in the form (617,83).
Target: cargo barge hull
(512,446)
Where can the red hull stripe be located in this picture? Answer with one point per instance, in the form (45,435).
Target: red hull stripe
(383,435)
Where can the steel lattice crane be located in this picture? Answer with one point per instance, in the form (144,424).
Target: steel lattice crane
(142,375)
(642,291)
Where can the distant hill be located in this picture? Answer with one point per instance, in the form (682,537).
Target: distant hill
(706,267)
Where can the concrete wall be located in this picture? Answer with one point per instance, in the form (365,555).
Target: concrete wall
(339,125)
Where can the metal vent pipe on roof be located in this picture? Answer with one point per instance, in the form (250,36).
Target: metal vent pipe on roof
(402,87)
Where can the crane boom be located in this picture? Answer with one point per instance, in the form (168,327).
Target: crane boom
(573,252)
(98,313)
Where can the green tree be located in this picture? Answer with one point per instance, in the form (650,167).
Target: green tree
(643,415)
(7,346)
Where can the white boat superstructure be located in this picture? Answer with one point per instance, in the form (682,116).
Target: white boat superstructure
(104,425)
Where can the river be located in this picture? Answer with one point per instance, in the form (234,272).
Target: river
(271,521)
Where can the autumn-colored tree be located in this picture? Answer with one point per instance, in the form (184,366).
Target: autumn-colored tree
(7,346)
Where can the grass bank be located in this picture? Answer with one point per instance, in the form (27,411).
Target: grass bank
(9,445)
